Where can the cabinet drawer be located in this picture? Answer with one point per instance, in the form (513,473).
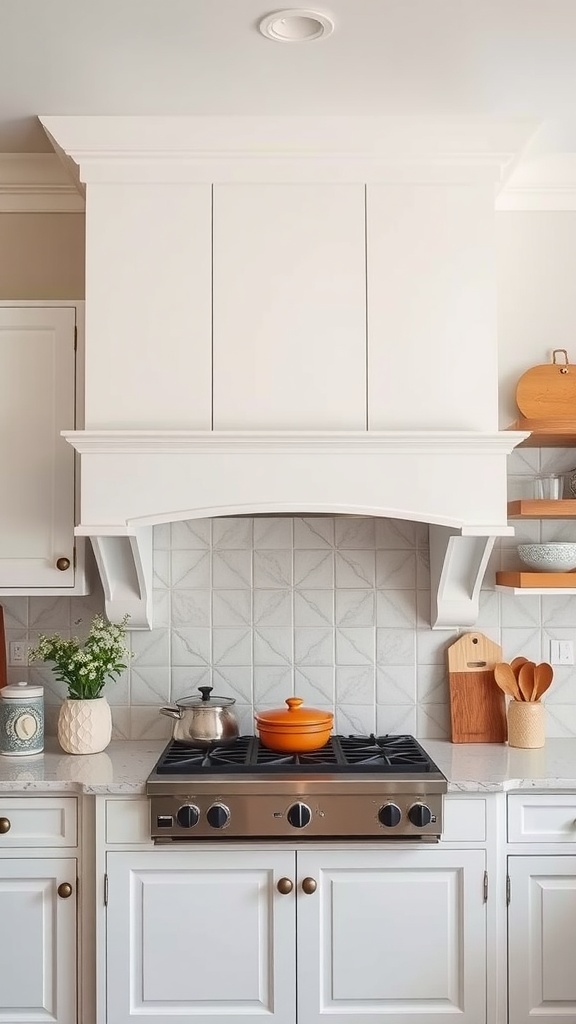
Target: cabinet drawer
(38,821)
(542,819)
(128,821)
(464,820)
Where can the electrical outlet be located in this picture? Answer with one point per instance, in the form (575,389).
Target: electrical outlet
(561,652)
(17,652)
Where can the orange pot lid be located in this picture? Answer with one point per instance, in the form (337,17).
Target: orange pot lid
(295,716)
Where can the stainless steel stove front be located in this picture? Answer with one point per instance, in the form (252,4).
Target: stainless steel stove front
(296,808)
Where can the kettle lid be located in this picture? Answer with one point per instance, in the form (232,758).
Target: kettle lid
(206,700)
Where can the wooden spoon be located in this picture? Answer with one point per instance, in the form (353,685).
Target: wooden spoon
(526,680)
(506,680)
(516,665)
(543,676)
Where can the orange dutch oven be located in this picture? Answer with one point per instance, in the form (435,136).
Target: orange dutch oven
(296,729)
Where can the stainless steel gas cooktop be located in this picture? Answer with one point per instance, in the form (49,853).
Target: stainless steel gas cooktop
(356,787)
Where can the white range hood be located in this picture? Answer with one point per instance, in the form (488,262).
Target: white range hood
(155,448)
(132,480)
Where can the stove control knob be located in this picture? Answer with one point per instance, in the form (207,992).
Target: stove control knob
(299,815)
(218,815)
(420,815)
(389,815)
(188,815)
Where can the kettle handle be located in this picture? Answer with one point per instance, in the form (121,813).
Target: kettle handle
(171,712)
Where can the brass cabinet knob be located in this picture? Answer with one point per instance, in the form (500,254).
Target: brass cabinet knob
(284,885)
(309,885)
(63,564)
(5,826)
(64,890)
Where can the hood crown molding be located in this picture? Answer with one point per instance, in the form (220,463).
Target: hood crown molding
(167,149)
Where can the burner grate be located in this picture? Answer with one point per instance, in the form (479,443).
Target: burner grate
(245,755)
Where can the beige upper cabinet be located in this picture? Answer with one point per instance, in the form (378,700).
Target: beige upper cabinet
(289,307)
(37,401)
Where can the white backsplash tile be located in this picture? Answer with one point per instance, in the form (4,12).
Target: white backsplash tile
(231,646)
(272,684)
(190,569)
(355,684)
(191,534)
(15,612)
(315,684)
(355,533)
(272,607)
(273,645)
(273,568)
(396,719)
(232,533)
(313,568)
(229,608)
(335,610)
(355,646)
(313,646)
(396,684)
(191,608)
(317,532)
(355,568)
(273,533)
(313,607)
(232,569)
(355,608)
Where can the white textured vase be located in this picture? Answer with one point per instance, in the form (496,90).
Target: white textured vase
(84,726)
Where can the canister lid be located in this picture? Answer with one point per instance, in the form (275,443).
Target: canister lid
(19,691)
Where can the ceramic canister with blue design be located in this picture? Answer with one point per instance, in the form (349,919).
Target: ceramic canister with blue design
(21,719)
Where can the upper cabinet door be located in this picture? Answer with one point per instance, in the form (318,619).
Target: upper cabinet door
(432,349)
(289,307)
(37,401)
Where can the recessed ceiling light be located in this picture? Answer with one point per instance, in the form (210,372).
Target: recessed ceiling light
(296,26)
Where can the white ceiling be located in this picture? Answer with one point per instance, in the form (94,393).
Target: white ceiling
(492,58)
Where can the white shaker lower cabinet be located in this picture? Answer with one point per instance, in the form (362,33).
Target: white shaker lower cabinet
(38,400)
(199,936)
(542,939)
(210,936)
(37,940)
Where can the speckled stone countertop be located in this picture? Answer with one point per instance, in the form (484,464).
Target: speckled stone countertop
(124,766)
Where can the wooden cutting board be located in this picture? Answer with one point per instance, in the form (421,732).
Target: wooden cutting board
(548,392)
(477,704)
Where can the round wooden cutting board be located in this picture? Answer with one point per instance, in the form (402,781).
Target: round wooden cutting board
(548,392)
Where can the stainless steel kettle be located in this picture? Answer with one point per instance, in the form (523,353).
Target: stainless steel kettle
(203,720)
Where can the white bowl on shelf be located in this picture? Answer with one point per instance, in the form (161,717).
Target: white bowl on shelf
(556,556)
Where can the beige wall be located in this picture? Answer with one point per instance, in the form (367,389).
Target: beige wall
(41,256)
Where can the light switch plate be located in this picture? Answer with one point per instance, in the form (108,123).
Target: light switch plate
(561,652)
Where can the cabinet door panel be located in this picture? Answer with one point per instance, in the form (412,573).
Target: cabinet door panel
(37,942)
(201,935)
(289,307)
(36,464)
(401,935)
(542,939)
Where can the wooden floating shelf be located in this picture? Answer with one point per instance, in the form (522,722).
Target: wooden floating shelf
(542,508)
(538,582)
(546,433)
